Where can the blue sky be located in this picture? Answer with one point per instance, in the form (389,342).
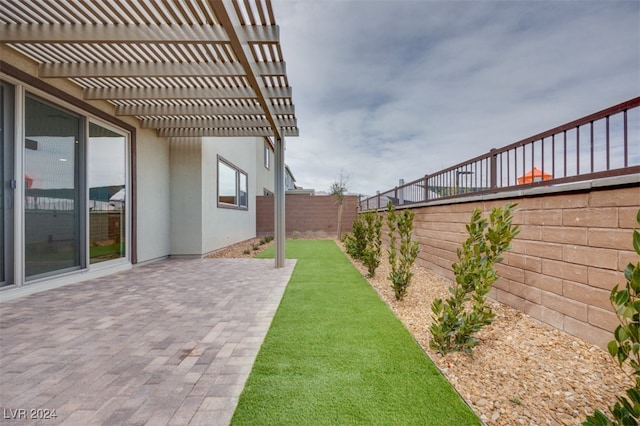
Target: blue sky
(397,89)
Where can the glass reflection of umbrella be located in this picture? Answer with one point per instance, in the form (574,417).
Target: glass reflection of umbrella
(534,175)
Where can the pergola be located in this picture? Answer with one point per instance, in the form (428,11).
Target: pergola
(187,68)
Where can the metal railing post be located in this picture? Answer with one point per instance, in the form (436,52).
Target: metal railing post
(426,187)
(494,168)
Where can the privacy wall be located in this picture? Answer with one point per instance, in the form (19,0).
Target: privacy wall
(572,249)
(307,215)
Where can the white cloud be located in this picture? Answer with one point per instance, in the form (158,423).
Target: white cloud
(397,89)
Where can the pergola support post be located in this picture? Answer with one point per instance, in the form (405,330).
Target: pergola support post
(279,225)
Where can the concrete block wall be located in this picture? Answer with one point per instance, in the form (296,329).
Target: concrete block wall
(572,249)
(306,215)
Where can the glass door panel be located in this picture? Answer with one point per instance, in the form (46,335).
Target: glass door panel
(52,195)
(107,194)
(4,181)
(8,184)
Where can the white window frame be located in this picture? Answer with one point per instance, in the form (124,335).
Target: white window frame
(267,155)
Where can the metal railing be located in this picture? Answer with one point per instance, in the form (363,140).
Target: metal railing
(603,144)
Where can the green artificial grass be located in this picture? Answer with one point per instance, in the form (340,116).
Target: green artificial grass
(336,355)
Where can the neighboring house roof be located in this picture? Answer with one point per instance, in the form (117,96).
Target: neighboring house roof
(290,180)
(287,170)
(187,68)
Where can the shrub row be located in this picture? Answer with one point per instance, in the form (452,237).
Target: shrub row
(465,312)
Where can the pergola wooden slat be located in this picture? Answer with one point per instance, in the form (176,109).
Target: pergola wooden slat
(163,43)
(184,67)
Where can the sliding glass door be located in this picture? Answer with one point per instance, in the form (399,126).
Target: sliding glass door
(107,194)
(63,197)
(52,170)
(4,180)
(7,201)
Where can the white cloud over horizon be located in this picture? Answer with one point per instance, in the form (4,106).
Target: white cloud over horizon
(397,89)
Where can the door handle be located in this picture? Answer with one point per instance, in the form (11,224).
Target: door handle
(12,185)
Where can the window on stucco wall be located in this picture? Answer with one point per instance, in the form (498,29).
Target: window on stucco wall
(233,186)
(267,155)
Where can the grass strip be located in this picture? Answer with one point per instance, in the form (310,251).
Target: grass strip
(336,354)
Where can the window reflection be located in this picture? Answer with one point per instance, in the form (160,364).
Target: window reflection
(52,219)
(2,242)
(243,190)
(226,184)
(232,186)
(107,194)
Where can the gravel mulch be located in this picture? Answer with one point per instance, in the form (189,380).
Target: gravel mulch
(248,248)
(524,372)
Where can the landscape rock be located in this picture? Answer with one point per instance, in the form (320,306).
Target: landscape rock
(543,375)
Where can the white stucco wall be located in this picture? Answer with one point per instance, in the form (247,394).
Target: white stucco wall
(264,176)
(221,226)
(186,200)
(153,197)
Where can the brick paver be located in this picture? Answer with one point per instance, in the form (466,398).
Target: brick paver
(167,343)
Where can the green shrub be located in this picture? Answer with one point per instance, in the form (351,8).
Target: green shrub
(266,239)
(373,237)
(401,261)
(455,322)
(356,241)
(626,344)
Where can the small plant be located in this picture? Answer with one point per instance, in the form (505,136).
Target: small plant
(401,260)
(246,251)
(255,247)
(339,190)
(516,400)
(373,241)
(356,241)
(455,322)
(626,345)
(265,240)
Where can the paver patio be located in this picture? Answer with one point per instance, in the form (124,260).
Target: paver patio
(167,343)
